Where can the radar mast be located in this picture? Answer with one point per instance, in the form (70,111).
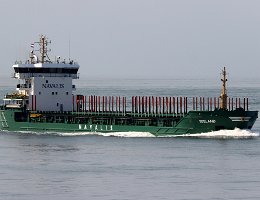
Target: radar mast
(223,96)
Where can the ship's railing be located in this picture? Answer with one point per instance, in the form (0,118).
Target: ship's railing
(28,75)
(57,61)
(152,106)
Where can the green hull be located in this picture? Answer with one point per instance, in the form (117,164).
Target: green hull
(159,125)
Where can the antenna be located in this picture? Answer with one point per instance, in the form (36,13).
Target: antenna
(69,47)
(43,43)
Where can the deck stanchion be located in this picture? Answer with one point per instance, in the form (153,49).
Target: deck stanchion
(94,103)
(186,104)
(247,104)
(103,105)
(116,103)
(125,106)
(149,105)
(170,105)
(146,104)
(152,104)
(89,103)
(236,103)
(119,104)
(91,99)
(180,104)
(159,105)
(109,103)
(228,103)
(173,105)
(139,101)
(156,105)
(203,103)
(89,108)
(106,103)
(98,103)
(208,103)
(136,104)
(200,103)
(143,104)
(167,105)
(196,102)
(85,104)
(177,104)
(133,104)
(193,103)
(112,103)
(163,106)
(239,102)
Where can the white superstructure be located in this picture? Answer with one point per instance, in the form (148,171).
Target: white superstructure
(46,84)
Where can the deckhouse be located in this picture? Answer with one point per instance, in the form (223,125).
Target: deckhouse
(46,85)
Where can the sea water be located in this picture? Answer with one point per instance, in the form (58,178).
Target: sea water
(125,166)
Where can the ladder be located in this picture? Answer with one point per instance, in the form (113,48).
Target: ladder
(3,120)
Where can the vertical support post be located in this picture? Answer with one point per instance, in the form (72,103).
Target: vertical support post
(177,104)
(98,103)
(181,105)
(163,105)
(173,105)
(229,104)
(196,101)
(156,105)
(159,105)
(139,100)
(132,104)
(153,104)
(247,104)
(193,103)
(149,103)
(103,103)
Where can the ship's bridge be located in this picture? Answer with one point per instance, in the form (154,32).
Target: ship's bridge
(47,85)
(47,69)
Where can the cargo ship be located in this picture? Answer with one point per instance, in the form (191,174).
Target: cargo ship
(45,101)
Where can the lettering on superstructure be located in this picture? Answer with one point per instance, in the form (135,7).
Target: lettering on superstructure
(52,85)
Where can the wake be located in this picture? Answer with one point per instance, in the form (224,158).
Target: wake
(222,134)
(225,134)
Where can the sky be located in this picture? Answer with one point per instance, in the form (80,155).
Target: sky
(152,39)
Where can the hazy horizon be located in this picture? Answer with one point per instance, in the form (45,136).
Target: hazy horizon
(138,38)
